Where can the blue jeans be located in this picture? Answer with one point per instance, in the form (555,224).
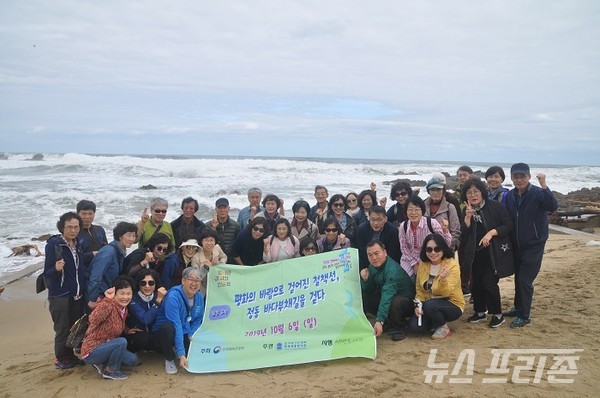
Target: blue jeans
(112,354)
(436,312)
(527,266)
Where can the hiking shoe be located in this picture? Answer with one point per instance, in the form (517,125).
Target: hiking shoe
(397,335)
(495,321)
(114,374)
(476,318)
(513,312)
(519,322)
(66,363)
(98,368)
(441,333)
(170,367)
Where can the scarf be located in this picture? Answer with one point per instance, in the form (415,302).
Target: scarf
(145,298)
(477,216)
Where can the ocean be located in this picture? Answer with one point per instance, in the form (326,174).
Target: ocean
(36,192)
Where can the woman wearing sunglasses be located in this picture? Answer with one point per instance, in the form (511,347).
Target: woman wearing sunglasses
(176,262)
(334,239)
(401,192)
(308,247)
(151,256)
(337,209)
(352,202)
(248,246)
(147,298)
(437,289)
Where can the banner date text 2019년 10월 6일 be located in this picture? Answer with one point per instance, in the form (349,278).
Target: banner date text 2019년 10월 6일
(300,310)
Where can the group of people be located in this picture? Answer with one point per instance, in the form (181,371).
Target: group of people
(418,260)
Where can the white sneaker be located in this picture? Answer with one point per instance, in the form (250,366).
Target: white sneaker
(170,367)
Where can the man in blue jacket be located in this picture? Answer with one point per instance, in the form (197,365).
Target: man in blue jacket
(178,319)
(528,206)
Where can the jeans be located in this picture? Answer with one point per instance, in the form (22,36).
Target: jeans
(527,266)
(436,312)
(112,354)
(64,312)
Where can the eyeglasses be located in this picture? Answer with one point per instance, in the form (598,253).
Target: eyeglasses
(331,229)
(436,249)
(417,210)
(163,211)
(193,280)
(310,249)
(403,193)
(149,283)
(337,205)
(473,193)
(351,200)
(258,229)
(190,247)
(161,249)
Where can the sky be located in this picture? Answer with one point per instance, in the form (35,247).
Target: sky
(482,81)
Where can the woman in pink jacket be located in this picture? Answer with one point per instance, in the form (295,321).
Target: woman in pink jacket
(282,245)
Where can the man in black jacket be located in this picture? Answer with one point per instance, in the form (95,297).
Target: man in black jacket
(378,228)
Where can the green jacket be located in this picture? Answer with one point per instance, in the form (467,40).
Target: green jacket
(391,280)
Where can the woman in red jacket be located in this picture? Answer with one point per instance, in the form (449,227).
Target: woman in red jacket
(103,346)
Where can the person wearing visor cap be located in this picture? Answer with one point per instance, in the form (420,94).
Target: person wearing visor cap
(528,206)
(176,262)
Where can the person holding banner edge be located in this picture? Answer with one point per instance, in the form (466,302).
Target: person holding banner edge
(178,319)
(388,291)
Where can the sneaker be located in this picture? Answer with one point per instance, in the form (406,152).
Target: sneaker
(513,312)
(170,367)
(476,318)
(519,322)
(441,333)
(114,374)
(98,368)
(495,321)
(65,363)
(397,335)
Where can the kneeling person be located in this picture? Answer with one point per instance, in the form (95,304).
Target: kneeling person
(178,319)
(387,290)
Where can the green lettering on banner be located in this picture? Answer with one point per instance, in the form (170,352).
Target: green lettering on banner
(301,310)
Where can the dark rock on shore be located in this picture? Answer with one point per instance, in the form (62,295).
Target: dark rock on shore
(149,186)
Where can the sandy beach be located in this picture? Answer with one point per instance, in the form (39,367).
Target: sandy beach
(566,315)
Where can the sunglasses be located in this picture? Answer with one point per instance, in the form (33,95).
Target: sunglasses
(436,249)
(337,205)
(161,249)
(310,249)
(331,229)
(190,247)
(351,200)
(403,193)
(149,283)
(163,211)
(258,229)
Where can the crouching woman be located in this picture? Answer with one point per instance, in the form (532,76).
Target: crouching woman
(438,288)
(103,347)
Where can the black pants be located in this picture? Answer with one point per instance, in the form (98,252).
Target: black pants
(139,341)
(484,285)
(400,308)
(64,312)
(164,341)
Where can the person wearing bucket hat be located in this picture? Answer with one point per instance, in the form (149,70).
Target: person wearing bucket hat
(528,205)
(176,262)
(438,207)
